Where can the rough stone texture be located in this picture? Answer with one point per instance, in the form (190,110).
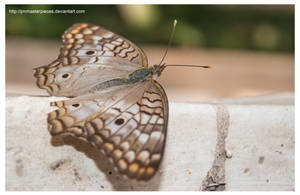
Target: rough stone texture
(260,142)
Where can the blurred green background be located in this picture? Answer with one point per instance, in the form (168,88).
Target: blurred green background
(249,27)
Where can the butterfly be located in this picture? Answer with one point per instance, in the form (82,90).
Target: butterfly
(115,102)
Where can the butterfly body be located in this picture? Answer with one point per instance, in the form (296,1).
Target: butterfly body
(139,75)
(116,104)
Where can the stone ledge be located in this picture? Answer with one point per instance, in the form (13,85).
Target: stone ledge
(241,147)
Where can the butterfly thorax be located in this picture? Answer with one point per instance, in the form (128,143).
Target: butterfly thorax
(139,75)
(144,74)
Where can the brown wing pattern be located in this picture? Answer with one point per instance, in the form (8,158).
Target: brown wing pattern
(132,135)
(45,76)
(88,43)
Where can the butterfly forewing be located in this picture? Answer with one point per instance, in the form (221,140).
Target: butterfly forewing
(87,52)
(130,130)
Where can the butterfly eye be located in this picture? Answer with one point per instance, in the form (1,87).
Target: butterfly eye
(76,105)
(90,52)
(119,121)
(66,75)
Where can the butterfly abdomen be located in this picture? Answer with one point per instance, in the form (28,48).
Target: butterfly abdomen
(108,84)
(137,76)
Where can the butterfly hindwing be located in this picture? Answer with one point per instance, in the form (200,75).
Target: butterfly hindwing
(131,131)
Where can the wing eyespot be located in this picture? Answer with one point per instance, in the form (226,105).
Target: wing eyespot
(119,121)
(66,76)
(90,52)
(76,105)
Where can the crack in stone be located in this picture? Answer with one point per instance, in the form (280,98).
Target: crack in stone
(215,178)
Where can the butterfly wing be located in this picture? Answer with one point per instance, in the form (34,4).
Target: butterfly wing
(89,55)
(128,122)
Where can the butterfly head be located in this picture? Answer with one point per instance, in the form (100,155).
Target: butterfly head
(157,69)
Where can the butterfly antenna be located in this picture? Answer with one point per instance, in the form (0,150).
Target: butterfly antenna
(170,41)
(163,66)
(185,65)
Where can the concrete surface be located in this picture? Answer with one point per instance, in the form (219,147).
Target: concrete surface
(210,146)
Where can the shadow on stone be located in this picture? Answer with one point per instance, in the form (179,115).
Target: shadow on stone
(119,182)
